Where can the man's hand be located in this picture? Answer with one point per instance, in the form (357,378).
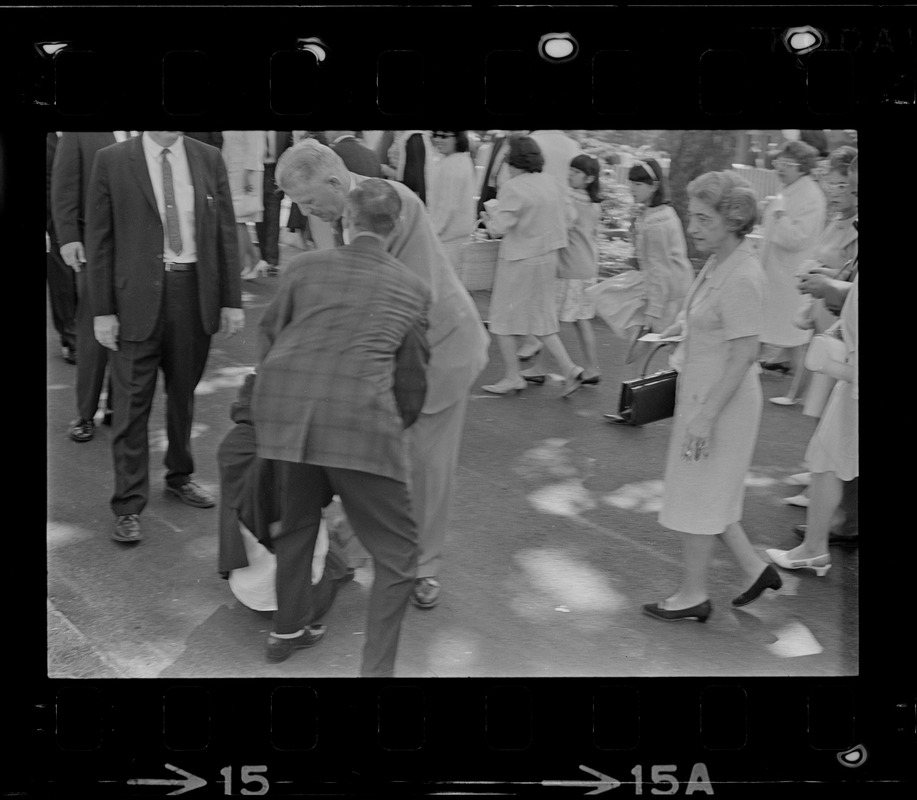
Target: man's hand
(232,320)
(106,330)
(74,255)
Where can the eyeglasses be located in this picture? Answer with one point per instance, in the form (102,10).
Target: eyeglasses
(785,162)
(837,187)
(443,135)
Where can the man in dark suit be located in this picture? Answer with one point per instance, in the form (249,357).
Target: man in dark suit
(61,278)
(269,228)
(342,375)
(163,278)
(357,157)
(69,188)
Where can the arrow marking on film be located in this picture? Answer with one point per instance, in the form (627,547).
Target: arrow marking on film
(603,784)
(187,783)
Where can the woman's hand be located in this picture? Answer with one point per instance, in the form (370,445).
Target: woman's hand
(697,438)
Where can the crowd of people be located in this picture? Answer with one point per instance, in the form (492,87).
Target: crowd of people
(371,345)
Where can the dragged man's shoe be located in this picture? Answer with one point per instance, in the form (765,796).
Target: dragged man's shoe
(426,592)
(281,649)
(81,430)
(192,494)
(68,353)
(127,529)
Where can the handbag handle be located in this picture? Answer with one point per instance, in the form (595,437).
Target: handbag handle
(649,357)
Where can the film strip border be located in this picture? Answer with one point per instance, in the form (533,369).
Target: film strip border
(339,736)
(610,63)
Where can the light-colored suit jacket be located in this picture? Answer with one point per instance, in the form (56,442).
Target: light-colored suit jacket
(532,214)
(457,337)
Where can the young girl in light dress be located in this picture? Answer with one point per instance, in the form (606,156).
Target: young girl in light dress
(577,266)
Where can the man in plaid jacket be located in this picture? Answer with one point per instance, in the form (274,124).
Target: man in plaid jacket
(342,374)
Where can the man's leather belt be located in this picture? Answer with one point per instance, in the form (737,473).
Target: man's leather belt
(172,266)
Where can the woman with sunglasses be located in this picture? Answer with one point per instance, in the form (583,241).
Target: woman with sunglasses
(662,256)
(793,222)
(450,200)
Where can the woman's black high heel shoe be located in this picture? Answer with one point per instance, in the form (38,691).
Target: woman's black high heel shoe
(700,612)
(768,579)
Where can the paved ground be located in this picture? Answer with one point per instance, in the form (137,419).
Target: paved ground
(553,547)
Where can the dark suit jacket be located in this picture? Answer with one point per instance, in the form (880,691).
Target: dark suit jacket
(325,394)
(124,238)
(70,182)
(358,158)
(50,149)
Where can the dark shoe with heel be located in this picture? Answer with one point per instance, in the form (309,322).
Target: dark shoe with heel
(281,649)
(768,579)
(700,612)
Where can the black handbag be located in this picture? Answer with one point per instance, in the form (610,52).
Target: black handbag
(648,398)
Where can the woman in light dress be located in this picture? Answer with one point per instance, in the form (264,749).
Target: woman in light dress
(532,217)
(793,223)
(718,406)
(451,197)
(243,152)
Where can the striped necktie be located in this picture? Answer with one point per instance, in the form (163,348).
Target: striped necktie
(171,211)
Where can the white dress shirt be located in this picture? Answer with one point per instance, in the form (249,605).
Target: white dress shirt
(184,195)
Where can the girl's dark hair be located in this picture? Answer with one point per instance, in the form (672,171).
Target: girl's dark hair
(841,159)
(524,154)
(590,166)
(639,174)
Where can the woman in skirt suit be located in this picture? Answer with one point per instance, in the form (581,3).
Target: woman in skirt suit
(718,405)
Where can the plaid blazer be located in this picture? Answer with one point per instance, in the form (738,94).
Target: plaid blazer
(344,353)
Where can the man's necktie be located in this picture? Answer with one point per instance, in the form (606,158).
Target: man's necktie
(171,211)
(338,228)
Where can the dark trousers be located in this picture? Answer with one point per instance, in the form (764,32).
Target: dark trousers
(269,229)
(62,294)
(91,357)
(178,346)
(850,507)
(379,510)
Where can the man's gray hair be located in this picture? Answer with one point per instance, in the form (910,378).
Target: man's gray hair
(306,162)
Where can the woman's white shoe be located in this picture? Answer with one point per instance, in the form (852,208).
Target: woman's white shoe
(821,564)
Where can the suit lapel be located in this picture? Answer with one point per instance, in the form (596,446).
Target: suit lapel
(141,172)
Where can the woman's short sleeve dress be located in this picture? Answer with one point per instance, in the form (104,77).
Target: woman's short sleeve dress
(726,302)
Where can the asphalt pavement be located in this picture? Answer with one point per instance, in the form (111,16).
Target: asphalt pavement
(553,547)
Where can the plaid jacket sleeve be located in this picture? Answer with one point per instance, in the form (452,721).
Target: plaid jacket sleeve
(410,372)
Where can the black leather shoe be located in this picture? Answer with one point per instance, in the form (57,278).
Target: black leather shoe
(539,379)
(841,540)
(106,418)
(593,381)
(127,529)
(81,430)
(768,579)
(700,612)
(192,494)
(68,353)
(281,649)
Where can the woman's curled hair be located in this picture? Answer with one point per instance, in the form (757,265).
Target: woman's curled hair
(731,196)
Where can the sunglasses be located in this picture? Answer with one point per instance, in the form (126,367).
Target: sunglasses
(785,162)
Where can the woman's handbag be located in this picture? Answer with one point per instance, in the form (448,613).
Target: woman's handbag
(648,398)
(246,205)
(826,349)
(478,260)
